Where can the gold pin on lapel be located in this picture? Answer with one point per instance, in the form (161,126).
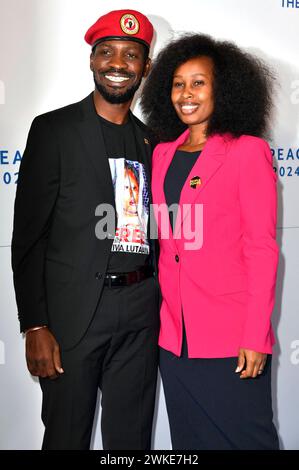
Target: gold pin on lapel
(146,141)
(195,181)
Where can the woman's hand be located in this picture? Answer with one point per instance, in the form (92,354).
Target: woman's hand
(250,363)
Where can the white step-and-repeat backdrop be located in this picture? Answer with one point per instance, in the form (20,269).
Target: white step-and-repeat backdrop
(44,65)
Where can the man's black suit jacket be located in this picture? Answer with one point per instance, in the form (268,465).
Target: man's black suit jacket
(58,263)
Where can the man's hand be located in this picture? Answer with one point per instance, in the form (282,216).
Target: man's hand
(42,354)
(250,363)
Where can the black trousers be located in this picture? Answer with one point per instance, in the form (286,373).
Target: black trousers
(211,408)
(119,355)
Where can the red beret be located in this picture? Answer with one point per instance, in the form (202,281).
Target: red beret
(119,24)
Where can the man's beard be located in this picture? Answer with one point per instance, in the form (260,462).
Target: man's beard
(117,97)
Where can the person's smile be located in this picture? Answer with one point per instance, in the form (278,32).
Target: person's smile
(116,79)
(188,107)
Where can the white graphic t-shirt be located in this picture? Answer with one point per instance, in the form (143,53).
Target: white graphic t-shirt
(132,204)
(130,249)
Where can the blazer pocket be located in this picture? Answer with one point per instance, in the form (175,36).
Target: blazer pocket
(58,270)
(230,284)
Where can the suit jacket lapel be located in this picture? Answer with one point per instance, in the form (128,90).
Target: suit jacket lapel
(90,131)
(143,147)
(144,150)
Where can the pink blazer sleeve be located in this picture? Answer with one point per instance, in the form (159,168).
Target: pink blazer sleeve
(258,201)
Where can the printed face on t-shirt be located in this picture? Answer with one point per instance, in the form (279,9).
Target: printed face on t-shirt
(131,190)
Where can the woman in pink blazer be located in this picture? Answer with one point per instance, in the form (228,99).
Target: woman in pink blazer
(214,194)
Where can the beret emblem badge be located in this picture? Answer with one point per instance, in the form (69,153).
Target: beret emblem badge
(129,24)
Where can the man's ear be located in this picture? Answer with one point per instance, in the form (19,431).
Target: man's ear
(91,57)
(147,67)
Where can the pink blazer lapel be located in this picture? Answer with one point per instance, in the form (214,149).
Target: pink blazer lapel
(160,201)
(209,162)
(164,165)
(206,166)
(211,159)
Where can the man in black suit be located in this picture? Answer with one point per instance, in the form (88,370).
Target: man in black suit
(86,290)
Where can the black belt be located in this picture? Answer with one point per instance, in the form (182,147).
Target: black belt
(126,279)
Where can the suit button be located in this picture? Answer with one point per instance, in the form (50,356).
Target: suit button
(98,276)
(177,258)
